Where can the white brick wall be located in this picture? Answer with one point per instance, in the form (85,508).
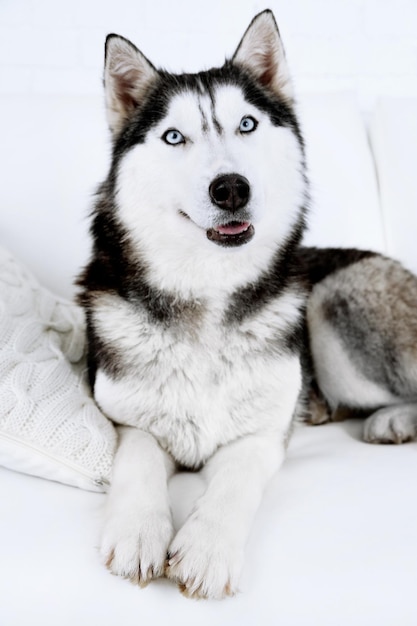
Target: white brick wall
(369,46)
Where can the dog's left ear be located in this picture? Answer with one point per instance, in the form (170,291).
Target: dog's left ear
(261,53)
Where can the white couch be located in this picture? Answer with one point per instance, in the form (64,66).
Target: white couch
(335,540)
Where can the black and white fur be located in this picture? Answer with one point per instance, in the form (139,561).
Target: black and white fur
(195,300)
(362,322)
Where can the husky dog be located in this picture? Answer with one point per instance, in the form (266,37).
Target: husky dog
(195,298)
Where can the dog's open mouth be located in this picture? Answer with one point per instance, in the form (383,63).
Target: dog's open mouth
(231,234)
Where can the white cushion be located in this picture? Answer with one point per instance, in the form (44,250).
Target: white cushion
(345,203)
(394,143)
(49,424)
(54,152)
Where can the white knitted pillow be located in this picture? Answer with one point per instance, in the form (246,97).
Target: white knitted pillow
(49,424)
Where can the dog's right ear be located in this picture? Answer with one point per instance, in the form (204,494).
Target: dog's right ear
(127,75)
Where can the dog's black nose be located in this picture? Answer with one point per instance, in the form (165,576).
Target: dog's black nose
(230,192)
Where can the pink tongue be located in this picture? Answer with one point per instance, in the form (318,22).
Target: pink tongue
(233,229)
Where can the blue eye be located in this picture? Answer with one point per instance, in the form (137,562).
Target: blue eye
(173,137)
(248,124)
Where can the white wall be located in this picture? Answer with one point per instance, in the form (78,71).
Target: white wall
(368,46)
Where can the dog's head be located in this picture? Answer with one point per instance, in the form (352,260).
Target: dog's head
(217,155)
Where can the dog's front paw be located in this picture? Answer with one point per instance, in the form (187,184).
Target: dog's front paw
(136,549)
(205,560)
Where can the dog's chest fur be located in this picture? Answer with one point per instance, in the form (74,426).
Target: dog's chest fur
(196,383)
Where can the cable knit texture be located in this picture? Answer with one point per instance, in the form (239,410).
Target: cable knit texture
(49,423)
